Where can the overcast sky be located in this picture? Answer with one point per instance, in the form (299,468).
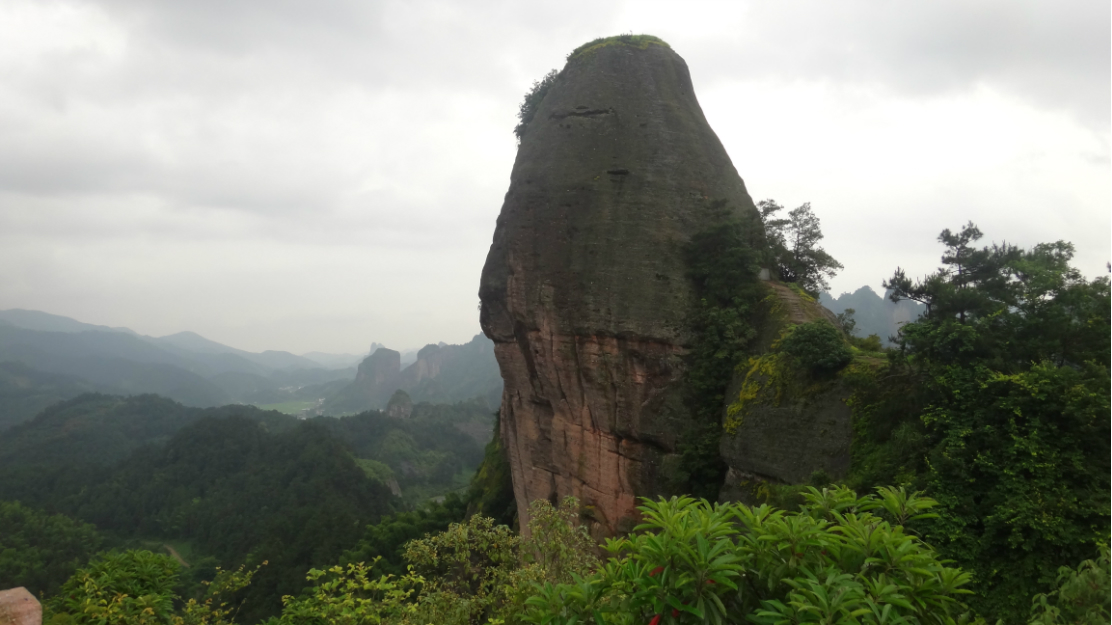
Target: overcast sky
(320,175)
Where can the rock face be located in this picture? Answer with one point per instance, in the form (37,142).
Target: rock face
(584,292)
(375,381)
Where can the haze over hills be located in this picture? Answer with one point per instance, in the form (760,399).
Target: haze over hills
(440,374)
(46,358)
(872,313)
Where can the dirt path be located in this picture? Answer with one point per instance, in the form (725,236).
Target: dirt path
(176,555)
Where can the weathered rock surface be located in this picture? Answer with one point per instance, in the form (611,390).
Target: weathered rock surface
(19,607)
(584,290)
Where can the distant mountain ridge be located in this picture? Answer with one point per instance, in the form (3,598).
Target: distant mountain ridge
(872,313)
(46,322)
(47,358)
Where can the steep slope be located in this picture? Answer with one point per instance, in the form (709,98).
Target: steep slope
(585,292)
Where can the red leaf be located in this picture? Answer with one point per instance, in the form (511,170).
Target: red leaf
(655,621)
(658,569)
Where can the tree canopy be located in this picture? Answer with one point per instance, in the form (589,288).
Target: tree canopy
(793,242)
(1010,369)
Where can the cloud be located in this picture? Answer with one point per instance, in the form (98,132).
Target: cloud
(290,175)
(1053,55)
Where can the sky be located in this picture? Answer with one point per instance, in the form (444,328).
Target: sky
(315,176)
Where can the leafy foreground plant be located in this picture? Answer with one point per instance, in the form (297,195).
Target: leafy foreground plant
(840,559)
(1080,596)
(475,572)
(136,588)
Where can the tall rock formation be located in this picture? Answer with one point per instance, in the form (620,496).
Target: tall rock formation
(585,292)
(375,381)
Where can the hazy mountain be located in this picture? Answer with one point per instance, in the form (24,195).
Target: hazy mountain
(281,360)
(198,345)
(874,314)
(409,356)
(441,373)
(334,361)
(283,386)
(24,391)
(46,322)
(51,358)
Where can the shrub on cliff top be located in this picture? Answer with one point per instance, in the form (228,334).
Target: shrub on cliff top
(528,108)
(818,346)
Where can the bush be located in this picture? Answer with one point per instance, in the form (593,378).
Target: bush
(137,588)
(817,346)
(474,572)
(40,550)
(870,343)
(128,587)
(840,559)
(528,108)
(1080,596)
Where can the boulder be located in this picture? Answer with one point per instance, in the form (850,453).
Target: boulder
(19,607)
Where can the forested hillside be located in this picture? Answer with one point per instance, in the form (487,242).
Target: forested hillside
(102,429)
(225,486)
(24,391)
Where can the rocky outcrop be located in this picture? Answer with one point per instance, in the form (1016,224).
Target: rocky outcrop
(375,381)
(785,425)
(448,373)
(584,291)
